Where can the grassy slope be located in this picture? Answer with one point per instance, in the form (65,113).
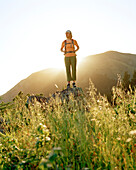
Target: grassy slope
(88,133)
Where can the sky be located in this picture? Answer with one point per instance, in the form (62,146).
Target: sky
(32,31)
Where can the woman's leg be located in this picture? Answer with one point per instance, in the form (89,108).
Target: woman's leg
(68,72)
(73,64)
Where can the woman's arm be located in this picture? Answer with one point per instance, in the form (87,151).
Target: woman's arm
(62,46)
(77,46)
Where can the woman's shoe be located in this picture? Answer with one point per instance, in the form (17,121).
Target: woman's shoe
(74,85)
(68,86)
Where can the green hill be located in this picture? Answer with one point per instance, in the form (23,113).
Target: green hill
(101,68)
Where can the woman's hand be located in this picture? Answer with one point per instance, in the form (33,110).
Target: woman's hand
(77,49)
(63,51)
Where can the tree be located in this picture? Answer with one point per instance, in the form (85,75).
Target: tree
(133,80)
(126,80)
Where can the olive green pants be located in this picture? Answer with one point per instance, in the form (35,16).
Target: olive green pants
(70,63)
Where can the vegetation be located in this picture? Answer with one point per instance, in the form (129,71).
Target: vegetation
(88,133)
(127,81)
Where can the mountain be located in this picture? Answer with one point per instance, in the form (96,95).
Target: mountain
(102,69)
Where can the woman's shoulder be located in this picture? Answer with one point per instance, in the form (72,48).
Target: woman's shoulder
(63,41)
(75,42)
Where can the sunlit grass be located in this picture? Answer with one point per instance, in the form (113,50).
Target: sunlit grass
(86,133)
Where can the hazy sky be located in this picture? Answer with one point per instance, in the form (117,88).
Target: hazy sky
(31,33)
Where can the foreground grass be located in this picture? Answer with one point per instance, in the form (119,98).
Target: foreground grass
(88,133)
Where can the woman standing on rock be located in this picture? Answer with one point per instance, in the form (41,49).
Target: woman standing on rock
(70,57)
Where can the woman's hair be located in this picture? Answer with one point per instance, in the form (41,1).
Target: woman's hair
(69,32)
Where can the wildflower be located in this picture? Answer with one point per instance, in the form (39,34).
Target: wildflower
(37,138)
(61,165)
(113,118)
(99,134)
(118,138)
(100,107)
(47,130)
(57,148)
(94,153)
(132,150)
(132,132)
(97,122)
(40,124)
(48,139)
(123,155)
(44,126)
(129,139)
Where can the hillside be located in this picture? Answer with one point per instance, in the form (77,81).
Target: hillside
(101,68)
(70,133)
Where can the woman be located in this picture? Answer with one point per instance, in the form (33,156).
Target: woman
(70,57)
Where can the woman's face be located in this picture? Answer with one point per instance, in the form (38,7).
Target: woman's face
(68,34)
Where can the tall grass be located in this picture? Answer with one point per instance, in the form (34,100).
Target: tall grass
(85,133)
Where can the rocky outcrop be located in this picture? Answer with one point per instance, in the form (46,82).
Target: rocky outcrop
(63,95)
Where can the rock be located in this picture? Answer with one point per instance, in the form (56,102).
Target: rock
(63,95)
(40,99)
